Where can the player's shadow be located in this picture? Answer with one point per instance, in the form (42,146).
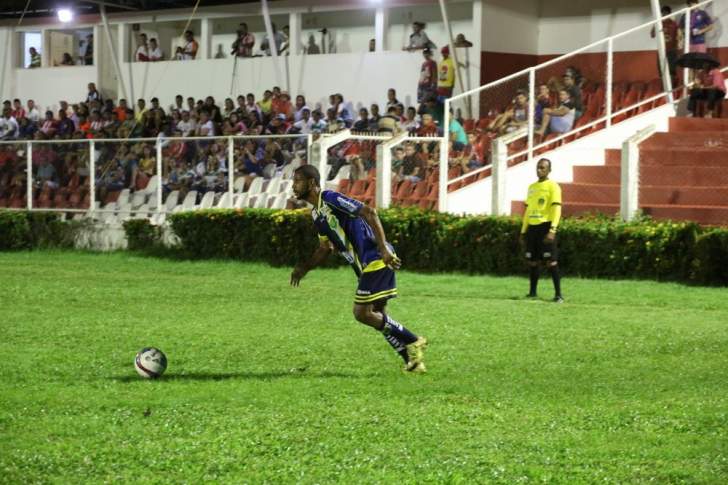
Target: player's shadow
(259,376)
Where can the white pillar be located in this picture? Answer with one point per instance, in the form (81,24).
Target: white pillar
(294,26)
(664,65)
(45,48)
(381,25)
(204,49)
(476,55)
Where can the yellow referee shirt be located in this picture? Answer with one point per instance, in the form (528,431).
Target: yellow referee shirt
(543,204)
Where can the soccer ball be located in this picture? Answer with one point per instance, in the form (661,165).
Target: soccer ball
(150,362)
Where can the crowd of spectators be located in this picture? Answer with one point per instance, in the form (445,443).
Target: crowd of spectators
(124,161)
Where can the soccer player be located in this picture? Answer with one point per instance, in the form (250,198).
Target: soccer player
(540,222)
(354,230)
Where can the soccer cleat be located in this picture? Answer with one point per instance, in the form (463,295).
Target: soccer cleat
(416,352)
(417,369)
(558,299)
(532,295)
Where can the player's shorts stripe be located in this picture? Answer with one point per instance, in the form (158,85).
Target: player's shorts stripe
(147,371)
(375,296)
(375,265)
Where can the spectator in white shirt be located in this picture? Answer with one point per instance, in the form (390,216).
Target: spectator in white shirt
(8,126)
(206,126)
(142,52)
(304,126)
(155,53)
(186,125)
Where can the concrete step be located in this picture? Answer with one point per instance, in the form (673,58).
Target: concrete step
(689,176)
(695,156)
(699,124)
(715,140)
(649,195)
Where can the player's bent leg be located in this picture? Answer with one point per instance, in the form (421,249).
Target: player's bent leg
(364,313)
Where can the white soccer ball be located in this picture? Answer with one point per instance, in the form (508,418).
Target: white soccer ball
(150,363)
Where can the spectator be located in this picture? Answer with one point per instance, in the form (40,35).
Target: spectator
(65,127)
(48,127)
(410,122)
(372,45)
(279,39)
(319,125)
(362,124)
(155,118)
(282,105)
(141,112)
(673,38)
(428,127)
(374,119)
(46,175)
(9,129)
(219,54)
(189,51)
(561,119)
(412,168)
(88,52)
(213,109)
(304,126)
(543,101)
(206,127)
(186,126)
(265,104)
(67,60)
(18,111)
(155,53)
(93,93)
(418,40)
(700,24)
(571,85)
(142,52)
(299,107)
(446,74)
(312,48)
(252,107)
(389,123)
(191,104)
(35,59)
(345,109)
(392,100)
(243,45)
(121,110)
(514,117)
(286,32)
(461,41)
(333,122)
(709,86)
(457,134)
(178,105)
(427,85)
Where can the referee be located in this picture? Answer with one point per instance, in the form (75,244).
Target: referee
(538,231)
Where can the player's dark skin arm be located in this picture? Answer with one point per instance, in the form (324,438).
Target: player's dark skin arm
(369,214)
(318,257)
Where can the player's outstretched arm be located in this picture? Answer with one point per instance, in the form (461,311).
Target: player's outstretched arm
(369,214)
(318,257)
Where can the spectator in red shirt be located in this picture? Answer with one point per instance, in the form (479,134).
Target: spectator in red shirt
(18,110)
(427,84)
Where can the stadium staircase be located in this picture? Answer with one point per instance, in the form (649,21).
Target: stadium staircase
(683,175)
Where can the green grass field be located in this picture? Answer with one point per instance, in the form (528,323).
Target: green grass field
(626,382)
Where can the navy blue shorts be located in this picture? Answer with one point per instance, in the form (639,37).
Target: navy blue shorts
(375,286)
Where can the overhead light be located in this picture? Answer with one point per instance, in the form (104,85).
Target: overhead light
(65,15)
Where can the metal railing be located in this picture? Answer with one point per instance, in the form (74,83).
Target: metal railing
(615,106)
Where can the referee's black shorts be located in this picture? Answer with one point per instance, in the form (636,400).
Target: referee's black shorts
(536,248)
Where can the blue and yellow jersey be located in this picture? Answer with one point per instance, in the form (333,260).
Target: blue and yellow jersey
(337,220)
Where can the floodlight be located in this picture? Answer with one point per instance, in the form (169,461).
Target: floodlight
(65,15)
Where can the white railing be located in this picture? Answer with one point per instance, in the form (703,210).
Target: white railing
(92,169)
(500,93)
(629,193)
(384,149)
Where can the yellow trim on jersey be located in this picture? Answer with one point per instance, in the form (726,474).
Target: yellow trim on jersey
(375,265)
(375,296)
(323,238)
